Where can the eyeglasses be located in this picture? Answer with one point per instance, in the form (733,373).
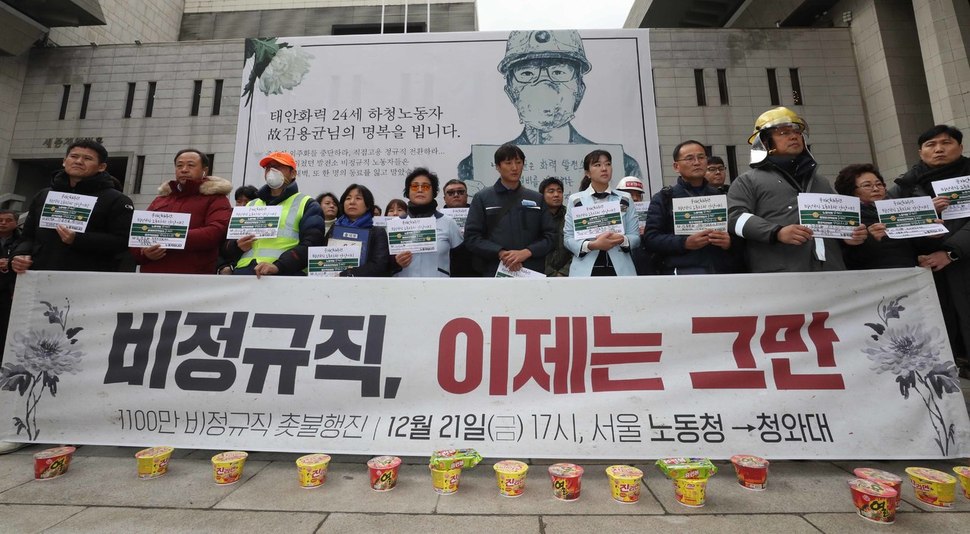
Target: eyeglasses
(557,72)
(456,193)
(698,158)
(415,186)
(716,169)
(871,185)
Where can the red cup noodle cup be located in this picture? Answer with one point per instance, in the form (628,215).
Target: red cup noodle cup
(445,481)
(933,487)
(312,469)
(510,475)
(153,462)
(52,463)
(227,467)
(624,483)
(963,473)
(383,472)
(873,501)
(566,481)
(752,471)
(884,478)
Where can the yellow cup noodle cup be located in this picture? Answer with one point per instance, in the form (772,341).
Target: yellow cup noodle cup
(690,491)
(510,475)
(933,487)
(227,467)
(874,501)
(884,478)
(445,481)
(624,483)
(312,469)
(963,473)
(153,462)
(454,459)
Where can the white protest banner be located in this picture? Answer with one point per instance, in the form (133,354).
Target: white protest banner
(417,235)
(694,214)
(957,190)
(642,213)
(829,215)
(591,221)
(460,215)
(260,221)
(159,228)
(380,222)
(848,365)
(909,217)
(370,108)
(67,209)
(331,261)
(523,272)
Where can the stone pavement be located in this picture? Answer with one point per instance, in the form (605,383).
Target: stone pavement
(101,493)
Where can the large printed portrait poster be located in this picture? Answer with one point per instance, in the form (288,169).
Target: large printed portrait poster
(368,109)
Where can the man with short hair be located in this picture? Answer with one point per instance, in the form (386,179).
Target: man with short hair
(704,252)
(507,222)
(456,194)
(205,199)
(244,194)
(763,202)
(941,158)
(99,247)
(300,227)
(558,260)
(717,174)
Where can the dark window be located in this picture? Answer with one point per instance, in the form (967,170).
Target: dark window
(212,163)
(362,29)
(64,98)
(139,174)
(217,98)
(653,78)
(196,97)
(84,101)
(150,100)
(699,86)
(130,99)
(732,161)
(796,88)
(773,88)
(722,86)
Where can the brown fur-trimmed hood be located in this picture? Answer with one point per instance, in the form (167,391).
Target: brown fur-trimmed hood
(211,185)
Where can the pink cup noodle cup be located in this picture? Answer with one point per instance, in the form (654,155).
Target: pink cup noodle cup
(566,481)
(383,472)
(445,481)
(752,471)
(624,483)
(52,463)
(884,478)
(227,467)
(874,501)
(153,462)
(932,487)
(963,473)
(312,470)
(510,476)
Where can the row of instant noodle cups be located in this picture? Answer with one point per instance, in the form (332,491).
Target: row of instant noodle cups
(876,493)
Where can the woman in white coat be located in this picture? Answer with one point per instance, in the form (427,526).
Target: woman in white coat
(608,253)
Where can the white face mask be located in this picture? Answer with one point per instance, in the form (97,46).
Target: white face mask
(275,178)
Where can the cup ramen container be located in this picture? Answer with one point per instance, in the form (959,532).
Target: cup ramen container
(383,472)
(445,481)
(153,462)
(52,463)
(510,475)
(313,470)
(624,483)
(884,478)
(874,501)
(690,491)
(227,467)
(963,473)
(566,480)
(933,487)
(752,471)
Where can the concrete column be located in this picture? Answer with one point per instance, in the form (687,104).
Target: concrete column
(944,34)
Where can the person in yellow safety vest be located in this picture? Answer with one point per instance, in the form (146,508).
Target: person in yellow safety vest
(301,225)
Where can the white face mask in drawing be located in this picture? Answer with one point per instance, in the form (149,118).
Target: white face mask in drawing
(274,178)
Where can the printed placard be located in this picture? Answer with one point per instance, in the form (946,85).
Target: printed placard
(169,230)
(504,272)
(67,209)
(642,208)
(833,215)
(381,221)
(418,235)
(460,215)
(331,261)
(957,190)
(591,221)
(260,221)
(694,214)
(909,217)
